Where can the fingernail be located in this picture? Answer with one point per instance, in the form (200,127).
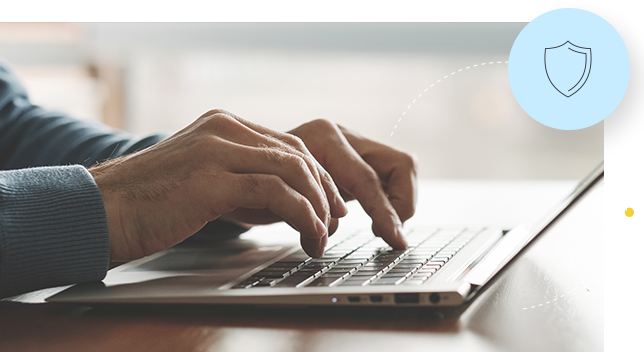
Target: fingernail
(319,226)
(339,203)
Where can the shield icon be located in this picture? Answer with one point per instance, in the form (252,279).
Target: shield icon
(567,67)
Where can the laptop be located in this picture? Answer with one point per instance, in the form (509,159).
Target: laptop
(442,266)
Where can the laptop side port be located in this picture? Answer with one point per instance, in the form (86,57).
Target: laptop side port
(353,299)
(407,298)
(375,298)
(434,298)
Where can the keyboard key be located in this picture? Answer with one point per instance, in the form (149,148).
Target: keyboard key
(296,256)
(412,260)
(407,266)
(305,282)
(273,274)
(385,281)
(265,283)
(366,275)
(355,262)
(246,283)
(401,280)
(398,270)
(343,270)
(286,264)
(321,261)
(373,266)
(416,257)
(313,267)
(323,281)
(390,275)
(427,271)
(446,256)
(293,280)
(333,275)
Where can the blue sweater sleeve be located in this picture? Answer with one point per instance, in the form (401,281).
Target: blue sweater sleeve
(31,136)
(53,229)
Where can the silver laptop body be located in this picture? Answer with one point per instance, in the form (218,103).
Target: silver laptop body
(441,267)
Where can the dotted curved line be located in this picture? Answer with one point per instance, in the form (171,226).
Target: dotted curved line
(426,89)
(619,139)
(537,306)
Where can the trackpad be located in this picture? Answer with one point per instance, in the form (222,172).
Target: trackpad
(227,258)
(217,263)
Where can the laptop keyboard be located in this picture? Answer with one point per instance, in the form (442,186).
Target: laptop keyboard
(362,259)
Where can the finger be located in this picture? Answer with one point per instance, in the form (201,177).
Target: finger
(401,189)
(397,170)
(336,203)
(357,177)
(253,216)
(291,168)
(260,191)
(333,226)
(346,195)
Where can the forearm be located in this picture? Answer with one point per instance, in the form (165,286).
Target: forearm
(41,138)
(31,136)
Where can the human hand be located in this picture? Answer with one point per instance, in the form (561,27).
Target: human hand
(381,178)
(220,164)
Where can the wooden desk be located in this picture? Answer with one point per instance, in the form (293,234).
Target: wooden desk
(550,298)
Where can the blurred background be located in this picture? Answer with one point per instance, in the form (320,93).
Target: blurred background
(373,77)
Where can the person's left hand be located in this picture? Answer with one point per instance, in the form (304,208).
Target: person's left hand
(381,178)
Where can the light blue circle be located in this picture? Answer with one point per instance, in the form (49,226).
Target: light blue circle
(605,82)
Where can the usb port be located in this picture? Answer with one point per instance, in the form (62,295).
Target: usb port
(406,298)
(354,299)
(375,299)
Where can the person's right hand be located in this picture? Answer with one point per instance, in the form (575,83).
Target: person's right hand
(159,196)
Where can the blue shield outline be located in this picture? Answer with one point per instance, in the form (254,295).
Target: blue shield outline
(563,73)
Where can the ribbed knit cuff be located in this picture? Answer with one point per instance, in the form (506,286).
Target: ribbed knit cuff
(53,229)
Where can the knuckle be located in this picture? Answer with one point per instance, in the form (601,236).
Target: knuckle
(410,161)
(272,184)
(326,177)
(218,111)
(369,177)
(294,162)
(218,119)
(299,164)
(212,114)
(309,161)
(295,141)
(215,112)
(250,183)
(275,156)
(364,178)
(305,205)
(324,124)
